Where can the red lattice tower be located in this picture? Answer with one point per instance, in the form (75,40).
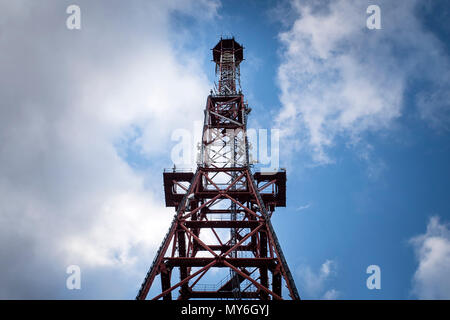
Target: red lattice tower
(223,210)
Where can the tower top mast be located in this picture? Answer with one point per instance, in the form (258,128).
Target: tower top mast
(228,55)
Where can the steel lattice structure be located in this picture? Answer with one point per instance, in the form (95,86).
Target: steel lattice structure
(223,193)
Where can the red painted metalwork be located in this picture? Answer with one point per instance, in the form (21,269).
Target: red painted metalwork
(223,193)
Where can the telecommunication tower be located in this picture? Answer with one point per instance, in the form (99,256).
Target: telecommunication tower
(224,209)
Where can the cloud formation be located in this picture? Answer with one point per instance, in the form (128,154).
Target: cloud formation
(313,282)
(340,79)
(69,101)
(432,277)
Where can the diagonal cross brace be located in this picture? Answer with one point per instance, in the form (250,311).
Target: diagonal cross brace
(285,268)
(145,287)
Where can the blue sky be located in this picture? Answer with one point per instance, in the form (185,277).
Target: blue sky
(88,115)
(359,211)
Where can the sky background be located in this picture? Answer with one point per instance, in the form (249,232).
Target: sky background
(87,116)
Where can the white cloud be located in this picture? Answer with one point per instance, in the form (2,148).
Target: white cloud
(304,207)
(313,283)
(68,97)
(331,294)
(432,277)
(339,79)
